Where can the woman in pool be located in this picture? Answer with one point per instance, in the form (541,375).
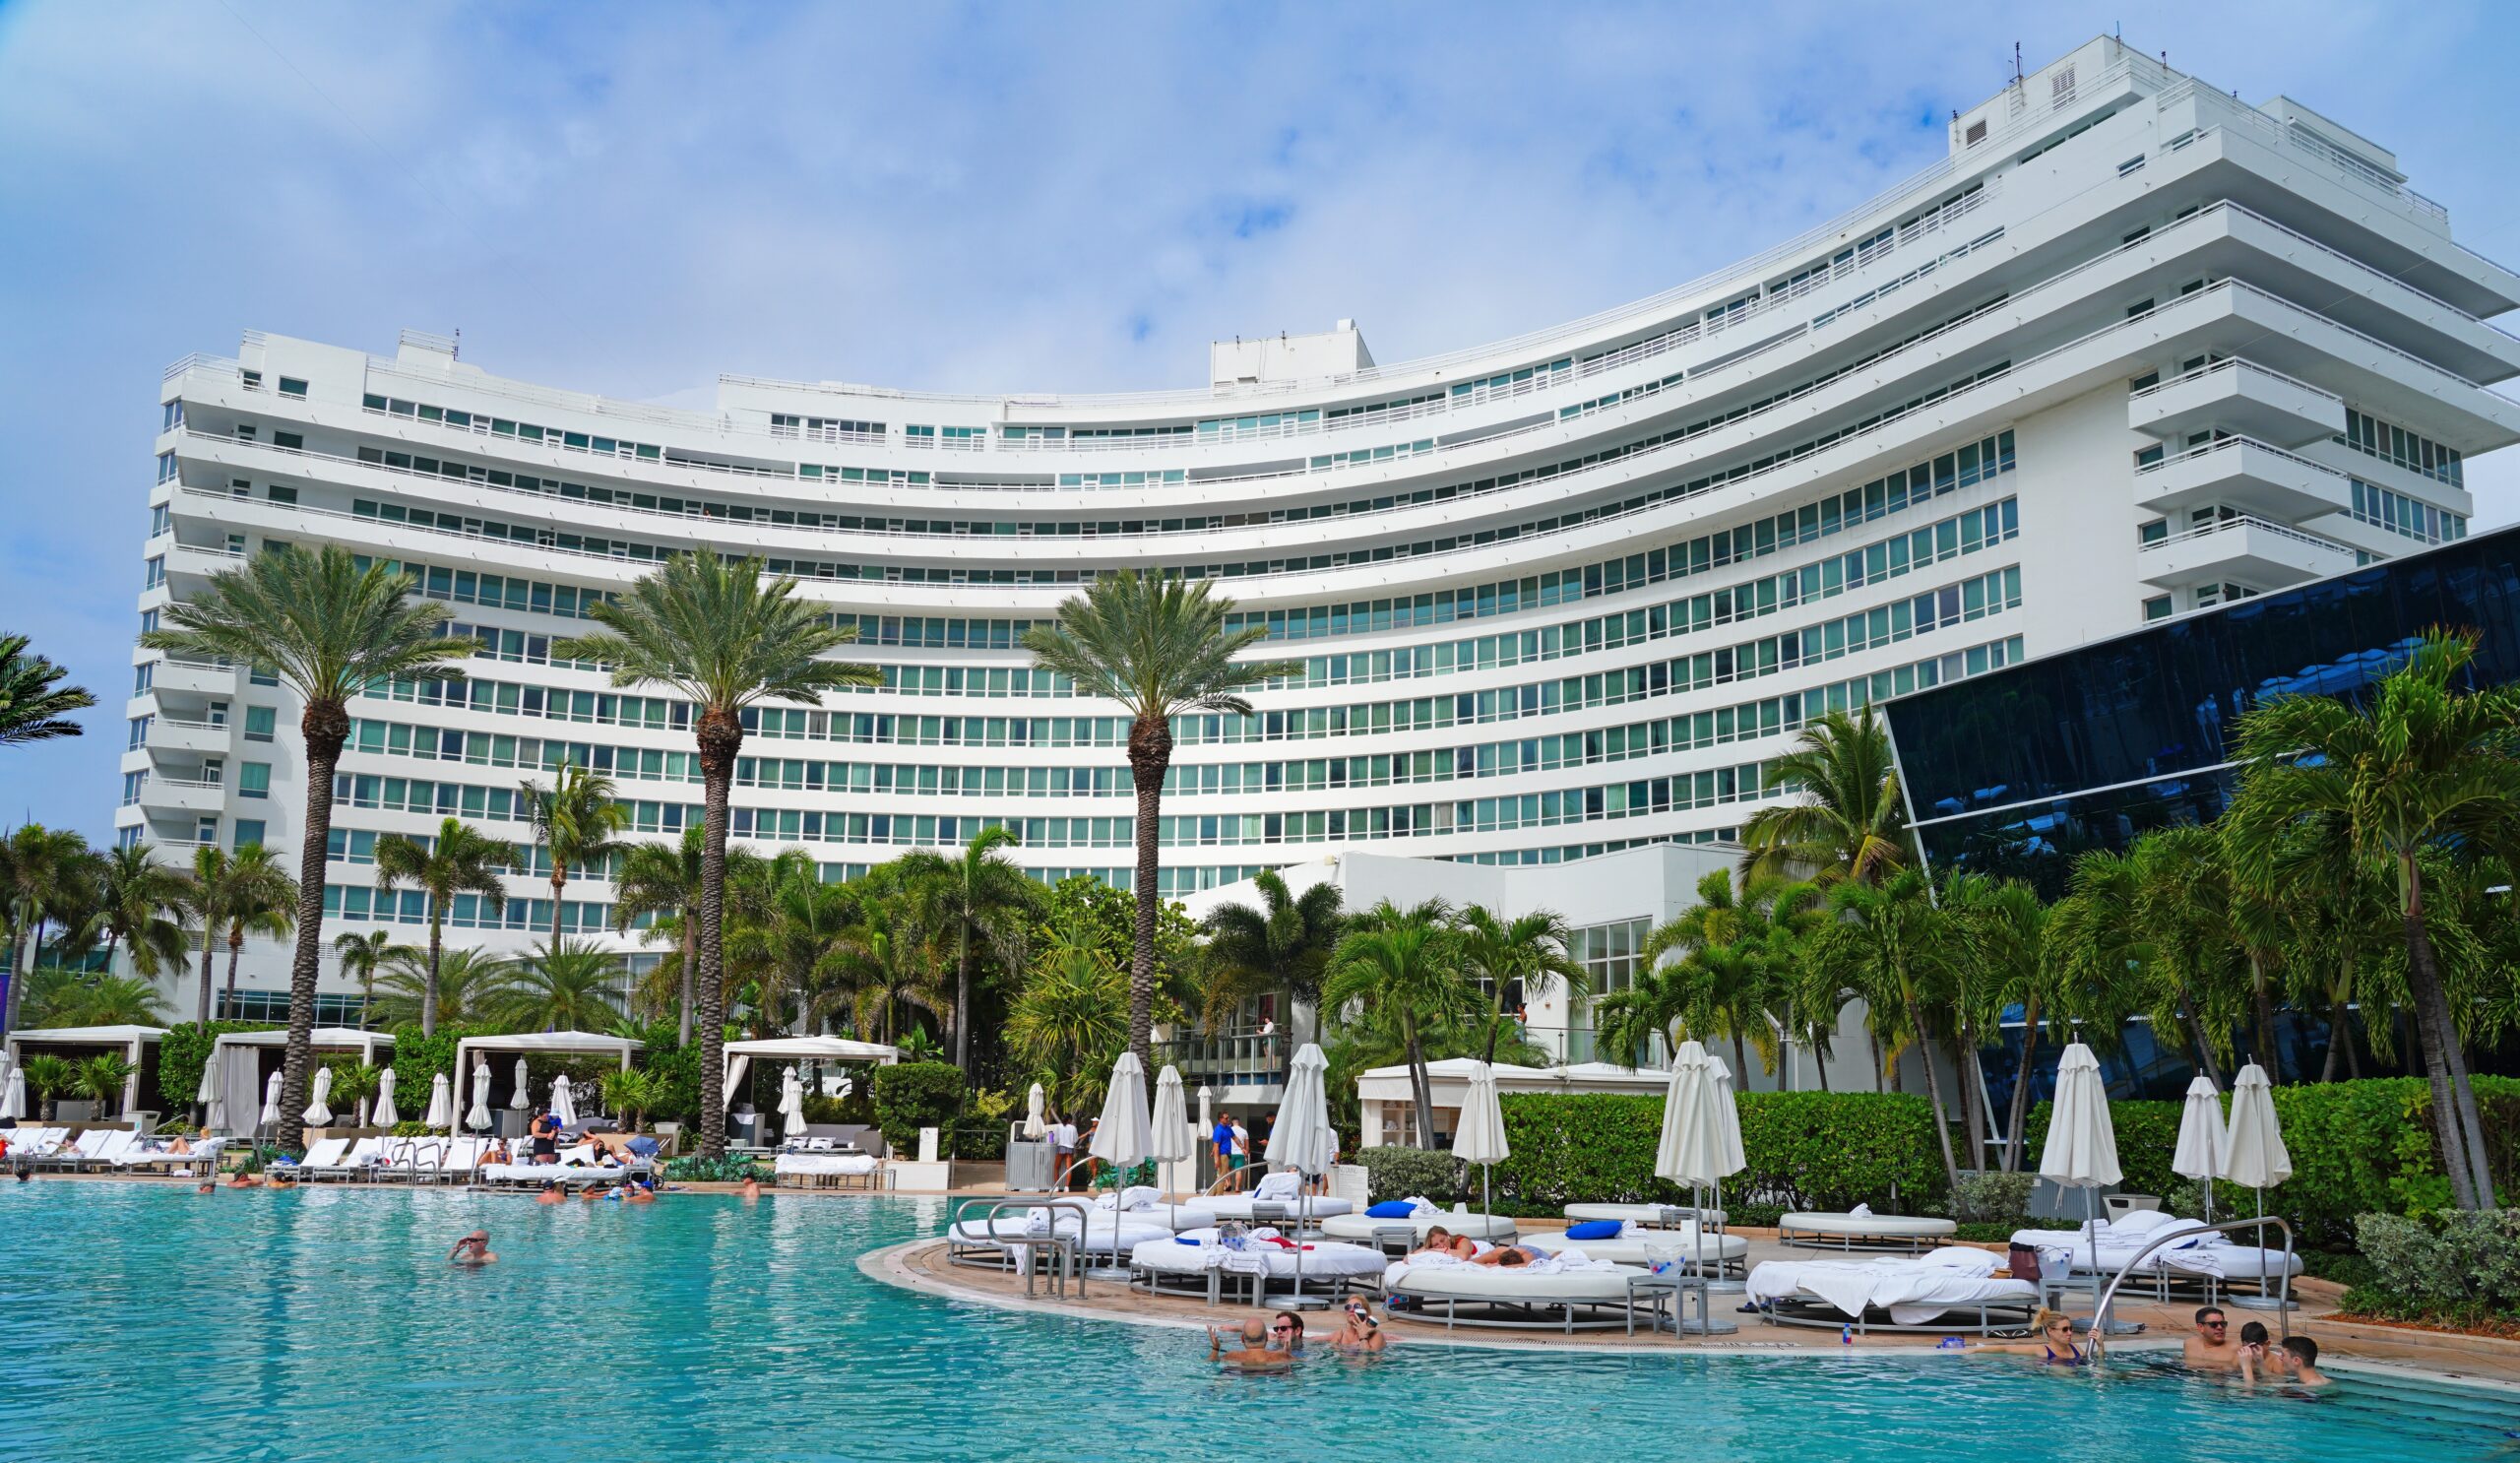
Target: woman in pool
(1359,1333)
(2055,1347)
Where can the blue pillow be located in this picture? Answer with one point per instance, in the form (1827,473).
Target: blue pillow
(1594,1228)
(1392,1209)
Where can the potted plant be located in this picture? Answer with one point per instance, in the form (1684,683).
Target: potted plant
(353,1084)
(101,1079)
(50,1077)
(631,1093)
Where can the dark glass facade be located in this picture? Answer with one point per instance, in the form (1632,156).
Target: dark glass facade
(2015,772)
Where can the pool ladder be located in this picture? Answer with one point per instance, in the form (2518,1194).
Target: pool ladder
(2283,1285)
(1067,1253)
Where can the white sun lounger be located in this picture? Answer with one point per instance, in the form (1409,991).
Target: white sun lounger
(1364,1228)
(203,1156)
(1247,1207)
(1950,1289)
(825,1169)
(1721,1252)
(2193,1253)
(1194,1263)
(1911,1233)
(1658,1216)
(357,1160)
(1469,1295)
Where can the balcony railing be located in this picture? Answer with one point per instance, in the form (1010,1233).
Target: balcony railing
(1232,1058)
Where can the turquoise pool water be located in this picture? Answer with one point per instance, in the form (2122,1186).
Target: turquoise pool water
(143,1322)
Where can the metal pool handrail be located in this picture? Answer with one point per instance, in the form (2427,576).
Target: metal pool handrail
(2283,1288)
(1071,1253)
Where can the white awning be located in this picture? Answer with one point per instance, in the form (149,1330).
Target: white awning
(555,1043)
(815,1048)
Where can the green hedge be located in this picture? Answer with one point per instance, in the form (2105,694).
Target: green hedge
(912,1095)
(1806,1150)
(1400,1173)
(2358,1148)
(185,1051)
(2457,1268)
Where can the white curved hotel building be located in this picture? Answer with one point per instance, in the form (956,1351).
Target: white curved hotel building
(2133,347)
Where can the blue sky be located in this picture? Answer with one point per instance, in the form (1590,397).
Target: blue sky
(631,198)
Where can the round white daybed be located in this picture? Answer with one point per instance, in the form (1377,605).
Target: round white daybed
(1727,1252)
(1364,1228)
(1911,1233)
(1241,1206)
(981,1242)
(1660,1216)
(1493,1295)
(1172,1266)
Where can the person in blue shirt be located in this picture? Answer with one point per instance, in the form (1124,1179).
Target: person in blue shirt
(1223,1137)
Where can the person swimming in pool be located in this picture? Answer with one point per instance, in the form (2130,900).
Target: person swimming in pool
(550,1193)
(1255,1355)
(2055,1347)
(472,1249)
(1359,1333)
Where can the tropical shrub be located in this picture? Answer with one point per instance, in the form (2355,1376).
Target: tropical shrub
(1805,1150)
(2358,1148)
(2459,1267)
(183,1052)
(1996,1198)
(695,1169)
(912,1095)
(1399,1173)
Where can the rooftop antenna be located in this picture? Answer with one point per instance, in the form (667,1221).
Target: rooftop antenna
(2016,63)
(459,343)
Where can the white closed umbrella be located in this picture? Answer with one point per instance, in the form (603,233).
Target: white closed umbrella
(212,1097)
(736,1066)
(1303,1138)
(1124,1136)
(478,1118)
(1690,1149)
(792,1103)
(523,1098)
(1033,1125)
(1170,1138)
(13,1095)
(2082,1146)
(2199,1151)
(1478,1136)
(2253,1153)
(1731,1156)
(270,1115)
(562,1106)
(441,1112)
(385,1116)
(319,1110)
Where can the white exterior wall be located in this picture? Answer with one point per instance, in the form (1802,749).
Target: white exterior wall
(1987,300)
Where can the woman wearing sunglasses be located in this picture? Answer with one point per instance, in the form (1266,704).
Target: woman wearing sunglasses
(1359,1332)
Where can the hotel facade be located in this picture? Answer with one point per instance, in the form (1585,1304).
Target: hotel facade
(2132,348)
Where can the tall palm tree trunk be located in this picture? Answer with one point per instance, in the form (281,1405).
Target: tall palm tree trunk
(963,999)
(1973,1102)
(2020,1114)
(209,961)
(2195,1031)
(720,735)
(690,960)
(235,950)
(559,882)
(1880,1072)
(1150,756)
(1741,1058)
(1934,1094)
(1420,1091)
(428,1005)
(325,726)
(2454,1118)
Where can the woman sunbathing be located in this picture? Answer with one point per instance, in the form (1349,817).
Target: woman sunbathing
(1506,1256)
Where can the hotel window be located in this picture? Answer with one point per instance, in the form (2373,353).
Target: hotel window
(142,676)
(165,467)
(254,779)
(139,732)
(291,386)
(132,784)
(253,379)
(256,675)
(290,441)
(248,831)
(260,723)
(1610,953)
(205,829)
(2156,608)
(281,494)
(172,415)
(156,573)
(160,519)
(2154,532)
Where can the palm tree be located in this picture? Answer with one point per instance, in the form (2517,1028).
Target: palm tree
(885,968)
(102,1079)
(1890,942)
(1851,822)
(1159,647)
(1403,966)
(798,944)
(234,894)
(1281,947)
(471,987)
(661,882)
(360,955)
(1071,1020)
(2183,903)
(1527,951)
(577,823)
(461,860)
(326,629)
(2416,765)
(711,629)
(1730,974)
(50,1076)
(44,872)
(103,999)
(34,705)
(2000,926)
(980,897)
(564,986)
(135,895)
(632,1092)
(353,1083)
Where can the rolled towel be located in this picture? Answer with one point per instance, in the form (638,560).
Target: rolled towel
(1860,1211)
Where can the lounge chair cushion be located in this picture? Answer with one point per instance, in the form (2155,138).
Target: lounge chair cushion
(1392,1209)
(1596,1229)
(1867,1226)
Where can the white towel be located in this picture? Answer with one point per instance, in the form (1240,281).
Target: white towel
(1860,1211)
(1420,1204)
(1567,1262)
(1284,1186)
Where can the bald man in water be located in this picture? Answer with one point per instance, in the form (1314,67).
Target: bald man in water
(1255,1355)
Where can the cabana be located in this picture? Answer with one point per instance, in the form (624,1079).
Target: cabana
(242,1059)
(1389,1110)
(137,1044)
(539,1043)
(740,1054)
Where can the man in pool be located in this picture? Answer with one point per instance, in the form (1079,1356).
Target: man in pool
(1255,1355)
(2300,1356)
(471,1249)
(550,1193)
(2211,1349)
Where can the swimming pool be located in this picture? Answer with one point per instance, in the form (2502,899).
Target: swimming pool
(142,1323)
